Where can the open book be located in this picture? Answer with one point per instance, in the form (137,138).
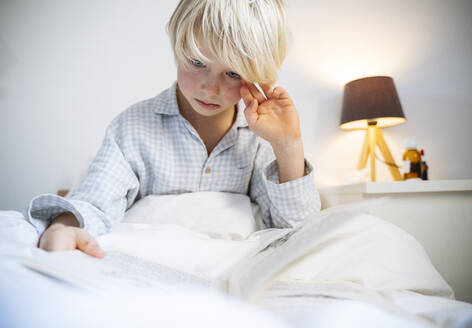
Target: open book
(247,271)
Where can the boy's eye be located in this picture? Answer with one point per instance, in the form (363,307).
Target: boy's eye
(233,75)
(197,63)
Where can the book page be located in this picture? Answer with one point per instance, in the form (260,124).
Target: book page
(117,270)
(185,250)
(123,265)
(177,247)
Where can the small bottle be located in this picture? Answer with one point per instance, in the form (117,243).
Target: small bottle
(411,161)
(424,166)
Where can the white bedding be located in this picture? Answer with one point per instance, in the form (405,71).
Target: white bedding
(367,272)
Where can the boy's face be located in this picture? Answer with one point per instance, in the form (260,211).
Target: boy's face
(209,88)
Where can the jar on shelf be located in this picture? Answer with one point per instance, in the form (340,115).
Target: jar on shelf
(411,161)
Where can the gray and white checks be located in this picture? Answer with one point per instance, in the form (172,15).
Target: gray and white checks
(151,149)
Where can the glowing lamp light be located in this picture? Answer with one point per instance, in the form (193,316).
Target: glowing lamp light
(372,103)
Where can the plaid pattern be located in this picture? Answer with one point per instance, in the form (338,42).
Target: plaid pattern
(151,149)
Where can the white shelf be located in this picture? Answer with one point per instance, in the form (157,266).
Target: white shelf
(406,186)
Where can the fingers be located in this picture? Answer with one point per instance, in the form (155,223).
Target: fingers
(279,92)
(256,93)
(57,240)
(267,89)
(262,110)
(251,112)
(246,95)
(88,244)
(70,238)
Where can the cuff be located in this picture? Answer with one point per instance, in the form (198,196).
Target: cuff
(294,200)
(44,208)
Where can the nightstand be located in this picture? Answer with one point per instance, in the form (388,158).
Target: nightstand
(437,213)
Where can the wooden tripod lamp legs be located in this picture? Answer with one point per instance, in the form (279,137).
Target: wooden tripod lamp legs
(374,137)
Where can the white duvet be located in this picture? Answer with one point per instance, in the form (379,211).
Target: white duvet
(367,272)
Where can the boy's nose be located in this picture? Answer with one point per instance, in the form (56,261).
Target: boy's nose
(211,86)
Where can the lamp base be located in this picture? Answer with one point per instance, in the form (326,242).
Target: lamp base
(374,137)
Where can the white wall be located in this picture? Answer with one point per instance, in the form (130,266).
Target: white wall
(68,67)
(425,45)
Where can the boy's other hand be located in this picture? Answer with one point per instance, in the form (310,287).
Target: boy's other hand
(59,237)
(271,115)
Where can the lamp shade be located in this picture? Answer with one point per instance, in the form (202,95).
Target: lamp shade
(371,99)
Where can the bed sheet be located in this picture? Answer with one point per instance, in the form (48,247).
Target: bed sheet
(29,299)
(346,304)
(324,289)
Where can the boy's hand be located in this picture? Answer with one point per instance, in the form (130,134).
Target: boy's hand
(59,237)
(272,115)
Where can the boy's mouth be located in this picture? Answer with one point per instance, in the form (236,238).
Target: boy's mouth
(207,105)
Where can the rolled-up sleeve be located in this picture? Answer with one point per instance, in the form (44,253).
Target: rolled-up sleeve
(100,200)
(282,204)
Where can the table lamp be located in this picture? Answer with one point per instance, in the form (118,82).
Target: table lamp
(372,103)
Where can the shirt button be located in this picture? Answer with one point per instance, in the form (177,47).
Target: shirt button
(207,170)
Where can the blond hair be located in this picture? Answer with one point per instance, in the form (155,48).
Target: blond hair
(248,36)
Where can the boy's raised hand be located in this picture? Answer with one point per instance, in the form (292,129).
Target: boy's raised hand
(271,115)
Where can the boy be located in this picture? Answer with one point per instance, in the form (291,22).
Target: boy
(197,135)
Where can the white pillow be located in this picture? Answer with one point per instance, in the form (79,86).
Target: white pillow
(216,214)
